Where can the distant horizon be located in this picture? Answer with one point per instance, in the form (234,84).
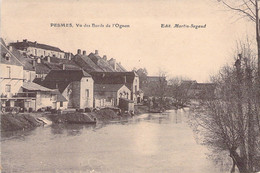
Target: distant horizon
(144,41)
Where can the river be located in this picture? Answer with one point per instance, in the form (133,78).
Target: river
(145,143)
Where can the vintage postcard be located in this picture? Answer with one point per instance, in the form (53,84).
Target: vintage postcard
(136,86)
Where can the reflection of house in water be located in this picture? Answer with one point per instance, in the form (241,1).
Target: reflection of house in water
(109,94)
(75,85)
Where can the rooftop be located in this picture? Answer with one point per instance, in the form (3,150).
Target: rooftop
(26,44)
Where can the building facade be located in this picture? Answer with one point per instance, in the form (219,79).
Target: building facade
(38,50)
(75,85)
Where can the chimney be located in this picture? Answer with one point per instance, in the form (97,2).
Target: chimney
(79,52)
(112,62)
(35,42)
(38,60)
(17,41)
(48,59)
(69,56)
(33,62)
(125,78)
(25,40)
(84,52)
(63,66)
(96,52)
(105,57)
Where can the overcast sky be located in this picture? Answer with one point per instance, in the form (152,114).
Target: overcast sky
(189,52)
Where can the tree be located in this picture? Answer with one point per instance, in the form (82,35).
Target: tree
(142,73)
(179,90)
(227,123)
(250,10)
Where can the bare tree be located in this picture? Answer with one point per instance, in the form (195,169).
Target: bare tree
(179,91)
(250,10)
(227,123)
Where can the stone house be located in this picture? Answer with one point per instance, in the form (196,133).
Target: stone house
(11,76)
(75,85)
(109,94)
(35,49)
(129,79)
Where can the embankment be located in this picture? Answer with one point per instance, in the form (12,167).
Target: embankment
(84,118)
(13,122)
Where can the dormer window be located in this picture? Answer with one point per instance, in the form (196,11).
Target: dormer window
(7,56)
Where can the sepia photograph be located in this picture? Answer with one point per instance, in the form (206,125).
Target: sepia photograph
(130,86)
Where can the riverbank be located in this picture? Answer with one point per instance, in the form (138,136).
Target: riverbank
(23,121)
(13,122)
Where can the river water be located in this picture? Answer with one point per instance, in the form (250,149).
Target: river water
(145,143)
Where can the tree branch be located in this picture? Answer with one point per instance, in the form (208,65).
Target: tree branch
(241,11)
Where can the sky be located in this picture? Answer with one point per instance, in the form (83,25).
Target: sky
(192,53)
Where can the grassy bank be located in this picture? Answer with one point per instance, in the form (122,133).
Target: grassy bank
(13,122)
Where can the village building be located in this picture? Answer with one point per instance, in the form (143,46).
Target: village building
(101,62)
(83,61)
(17,88)
(35,49)
(29,72)
(75,85)
(94,63)
(109,94)
(11,76)
(34,97)
(129,79)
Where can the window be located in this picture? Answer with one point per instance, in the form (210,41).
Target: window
(61,104)
(7,88)
(135,88)
(8,72)
(87,93)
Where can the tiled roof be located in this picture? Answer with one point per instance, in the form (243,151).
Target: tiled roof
(13,60)
(120,68)
(60,97)
(31,86)
(107,87)
(26,61)
(26,44)
(41,68)
(86,63)
(62,78)
(113,77)
(104,65)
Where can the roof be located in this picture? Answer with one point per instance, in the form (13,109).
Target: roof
(120,68)
(62,78)
(26,61)
(26,44)
(86,63)
(107,87)
(34,87)
(41,68)
(113,77)
(101,63)
(60,97)
(5,52)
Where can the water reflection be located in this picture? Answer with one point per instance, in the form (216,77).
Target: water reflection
(146,143)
